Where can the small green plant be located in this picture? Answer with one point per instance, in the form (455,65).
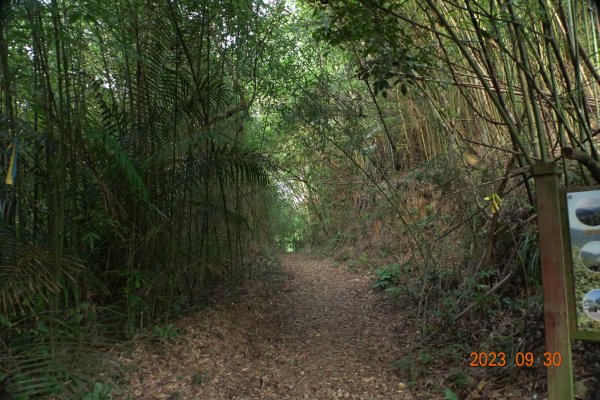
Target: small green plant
(529,256)
(200,377)
(100,391)
(5,322)
(393,291)
(404,364)
(391,279)
(425,358)
(386,276)
(450,395)
(408,366)
(459,378)
(166,332)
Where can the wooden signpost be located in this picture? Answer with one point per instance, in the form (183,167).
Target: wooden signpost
(569,229)
(556,321)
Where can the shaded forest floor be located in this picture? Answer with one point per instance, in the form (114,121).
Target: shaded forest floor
(313,331)
(310,330)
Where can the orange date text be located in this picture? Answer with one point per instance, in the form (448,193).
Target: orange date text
(520,359)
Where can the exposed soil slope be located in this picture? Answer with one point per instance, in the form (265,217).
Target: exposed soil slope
(318,332)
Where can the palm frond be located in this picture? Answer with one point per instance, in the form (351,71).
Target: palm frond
(235,163)
(28,274)
(61,368)
(114,149)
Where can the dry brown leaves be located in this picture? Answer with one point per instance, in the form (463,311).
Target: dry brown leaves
(322,334)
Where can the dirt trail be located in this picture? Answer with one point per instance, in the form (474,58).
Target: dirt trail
(322,334)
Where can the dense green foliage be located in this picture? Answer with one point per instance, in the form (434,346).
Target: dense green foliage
(137,188)
(162,144)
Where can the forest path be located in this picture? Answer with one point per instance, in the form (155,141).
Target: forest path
(322,334)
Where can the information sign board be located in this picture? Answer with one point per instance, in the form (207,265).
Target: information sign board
(583,208)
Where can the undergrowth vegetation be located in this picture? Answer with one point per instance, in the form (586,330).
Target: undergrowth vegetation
(425,153)
(152,150)
(133,193)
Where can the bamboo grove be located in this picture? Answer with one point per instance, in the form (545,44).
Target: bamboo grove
(148,148)
(515,82)
(135,189)
(454,101)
